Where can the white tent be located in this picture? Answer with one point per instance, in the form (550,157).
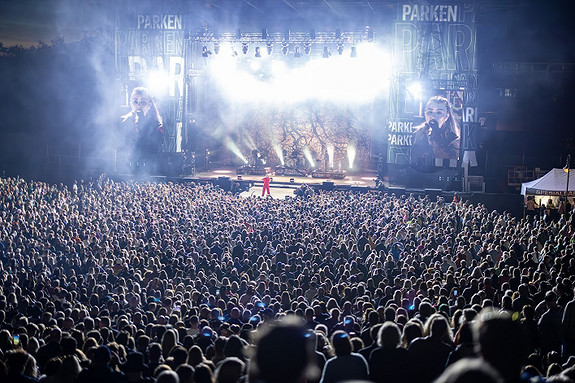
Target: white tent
(553,183)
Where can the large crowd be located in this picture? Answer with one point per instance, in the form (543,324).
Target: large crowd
(159,282)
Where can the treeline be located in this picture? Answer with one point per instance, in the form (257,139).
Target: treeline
(51,96)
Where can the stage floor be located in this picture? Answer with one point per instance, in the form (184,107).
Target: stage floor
(360,179)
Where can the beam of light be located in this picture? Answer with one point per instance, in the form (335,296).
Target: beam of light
(330,155)
(250,142)
(416,90)
(308,156)
(339,79)
(279,153)
(231,145)
(351,152)
(157,82)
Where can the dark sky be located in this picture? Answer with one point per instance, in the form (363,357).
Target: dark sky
(26,22)
(523,30)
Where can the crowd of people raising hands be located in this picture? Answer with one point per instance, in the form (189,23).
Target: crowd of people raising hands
(161,282)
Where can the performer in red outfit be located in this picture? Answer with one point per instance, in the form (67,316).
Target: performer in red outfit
(266,187)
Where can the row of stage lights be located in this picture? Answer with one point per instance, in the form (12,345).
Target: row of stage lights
(297,52)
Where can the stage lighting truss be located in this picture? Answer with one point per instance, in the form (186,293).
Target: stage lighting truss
(298,43)
(298,38)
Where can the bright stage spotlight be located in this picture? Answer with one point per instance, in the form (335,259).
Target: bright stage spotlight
(353,52)
(245,48)
(269,47)
(231,145)
(250,142)
(157,82)
(255,65)
(279,153)
(228,49)
(416,90)
(285,48)
(258,53)
(351,152)
(278,69)
(330,155)
(326,53)
(297,51)
(307,48)
(276,82)
(309,157)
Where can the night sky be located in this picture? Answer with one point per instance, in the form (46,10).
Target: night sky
(516,30)
(26,22)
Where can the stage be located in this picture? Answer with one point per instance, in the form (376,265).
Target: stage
(365,179)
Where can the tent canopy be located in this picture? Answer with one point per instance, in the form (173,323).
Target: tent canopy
(553,183)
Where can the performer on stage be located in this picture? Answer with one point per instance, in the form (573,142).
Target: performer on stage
(266,187)
(143,128)
(438,136)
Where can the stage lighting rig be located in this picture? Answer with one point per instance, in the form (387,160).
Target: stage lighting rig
(297,51)
(304,43)
(258,52)
(206,52)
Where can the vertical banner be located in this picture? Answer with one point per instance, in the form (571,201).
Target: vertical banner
(435,54)
(150,52)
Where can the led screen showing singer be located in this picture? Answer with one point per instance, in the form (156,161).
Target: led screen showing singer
(438,136)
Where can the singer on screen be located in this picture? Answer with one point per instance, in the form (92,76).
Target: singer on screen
(438,136)
(144,129)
